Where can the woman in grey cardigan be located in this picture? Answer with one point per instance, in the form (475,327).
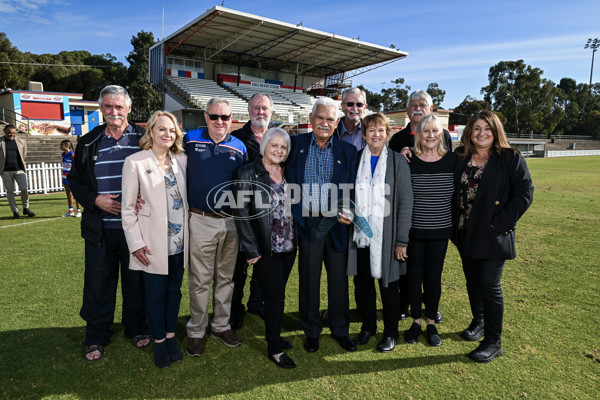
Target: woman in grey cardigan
(384,197)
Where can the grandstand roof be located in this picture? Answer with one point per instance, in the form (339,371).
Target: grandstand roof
(227,36)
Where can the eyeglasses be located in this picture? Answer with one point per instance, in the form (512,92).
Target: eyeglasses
(351,104)
(214,117)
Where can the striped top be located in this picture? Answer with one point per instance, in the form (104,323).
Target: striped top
(433,187)
(109,169)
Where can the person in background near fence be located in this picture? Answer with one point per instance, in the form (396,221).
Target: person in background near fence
(493,189)
(260,109)
(95,180)
(13,151)
(67,162)
(157,235)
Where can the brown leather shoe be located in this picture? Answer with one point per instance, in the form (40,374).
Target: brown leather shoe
(227,337)
(195,347)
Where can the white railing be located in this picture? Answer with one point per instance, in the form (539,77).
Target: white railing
(572,153)
(41,178)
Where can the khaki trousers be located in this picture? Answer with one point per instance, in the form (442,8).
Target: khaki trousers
(213,252)
(8,179)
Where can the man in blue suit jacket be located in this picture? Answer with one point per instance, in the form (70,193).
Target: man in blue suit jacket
(318,159)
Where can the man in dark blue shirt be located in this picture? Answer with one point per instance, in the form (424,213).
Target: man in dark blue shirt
(319,160)
(213,156)
(95,180)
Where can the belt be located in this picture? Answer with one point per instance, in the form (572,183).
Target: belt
(206,214)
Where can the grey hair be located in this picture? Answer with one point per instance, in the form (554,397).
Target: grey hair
(114,91)
(216,100)
(353,90)
(325,102)
(255,95)
(418,95)
(271,134)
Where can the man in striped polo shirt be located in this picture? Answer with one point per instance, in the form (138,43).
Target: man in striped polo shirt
(95,180)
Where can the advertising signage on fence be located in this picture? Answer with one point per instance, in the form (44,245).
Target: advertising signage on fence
(50,98)
(265,85)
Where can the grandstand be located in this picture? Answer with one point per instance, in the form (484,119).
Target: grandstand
(232,54)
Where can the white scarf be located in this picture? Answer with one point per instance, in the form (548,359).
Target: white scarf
(370,201)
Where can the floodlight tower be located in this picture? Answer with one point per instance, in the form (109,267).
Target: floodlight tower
(592,44)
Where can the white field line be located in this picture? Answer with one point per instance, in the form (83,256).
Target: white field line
(32,222)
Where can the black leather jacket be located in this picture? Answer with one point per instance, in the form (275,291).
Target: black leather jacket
(253,222)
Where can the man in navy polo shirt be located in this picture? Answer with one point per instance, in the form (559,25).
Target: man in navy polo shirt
(95,180)
(213,156)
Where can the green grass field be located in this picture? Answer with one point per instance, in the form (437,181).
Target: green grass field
(551,328)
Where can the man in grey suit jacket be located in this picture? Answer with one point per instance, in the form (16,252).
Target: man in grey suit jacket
(13,151)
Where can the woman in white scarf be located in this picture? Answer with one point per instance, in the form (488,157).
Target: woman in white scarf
(383,196)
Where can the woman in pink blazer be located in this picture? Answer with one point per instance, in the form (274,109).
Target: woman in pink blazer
(157,235)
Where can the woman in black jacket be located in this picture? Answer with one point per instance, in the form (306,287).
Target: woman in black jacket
(266,232)
(493,189)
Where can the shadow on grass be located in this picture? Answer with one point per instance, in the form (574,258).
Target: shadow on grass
(49,362)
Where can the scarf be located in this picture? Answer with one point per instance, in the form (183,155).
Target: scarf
(370,201)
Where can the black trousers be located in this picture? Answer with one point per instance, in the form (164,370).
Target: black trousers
(311,257)
(272,274)
(425,265)
(365,296)
(102,264)
(485,294)
(163,297)
(255,301)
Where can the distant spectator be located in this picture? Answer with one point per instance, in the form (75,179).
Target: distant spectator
(67,163)
(13,151)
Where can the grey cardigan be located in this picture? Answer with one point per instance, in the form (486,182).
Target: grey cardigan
(396,223)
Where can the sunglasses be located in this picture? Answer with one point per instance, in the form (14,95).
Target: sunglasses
(351,104)
(214,117)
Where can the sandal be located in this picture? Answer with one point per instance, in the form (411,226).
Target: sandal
(91,349)
(138,338)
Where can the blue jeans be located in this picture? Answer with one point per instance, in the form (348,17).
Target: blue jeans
(163,297)
(102,264)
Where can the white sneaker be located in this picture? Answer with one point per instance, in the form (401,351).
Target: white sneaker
(78,215)
(69,214)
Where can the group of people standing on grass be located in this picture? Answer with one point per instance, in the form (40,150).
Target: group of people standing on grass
(156,201)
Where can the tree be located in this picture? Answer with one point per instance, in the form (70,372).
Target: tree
(395,98)
(528,101)
(13,75)
(436,94)
(465,110)
(144,97)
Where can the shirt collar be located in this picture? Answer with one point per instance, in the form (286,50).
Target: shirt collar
(206,136)
(313,141)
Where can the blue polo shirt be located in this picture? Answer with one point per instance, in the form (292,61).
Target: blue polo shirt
(210,167)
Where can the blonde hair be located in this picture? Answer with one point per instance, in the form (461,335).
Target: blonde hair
(426,121)
(146,140)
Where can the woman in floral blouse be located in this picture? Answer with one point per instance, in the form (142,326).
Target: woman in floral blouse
(157,235)
(267,234)
(493,189)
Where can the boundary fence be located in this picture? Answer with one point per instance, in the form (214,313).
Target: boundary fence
(41,178)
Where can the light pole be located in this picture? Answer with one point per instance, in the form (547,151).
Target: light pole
(592,44)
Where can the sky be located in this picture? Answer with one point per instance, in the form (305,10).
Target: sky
(452,43)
